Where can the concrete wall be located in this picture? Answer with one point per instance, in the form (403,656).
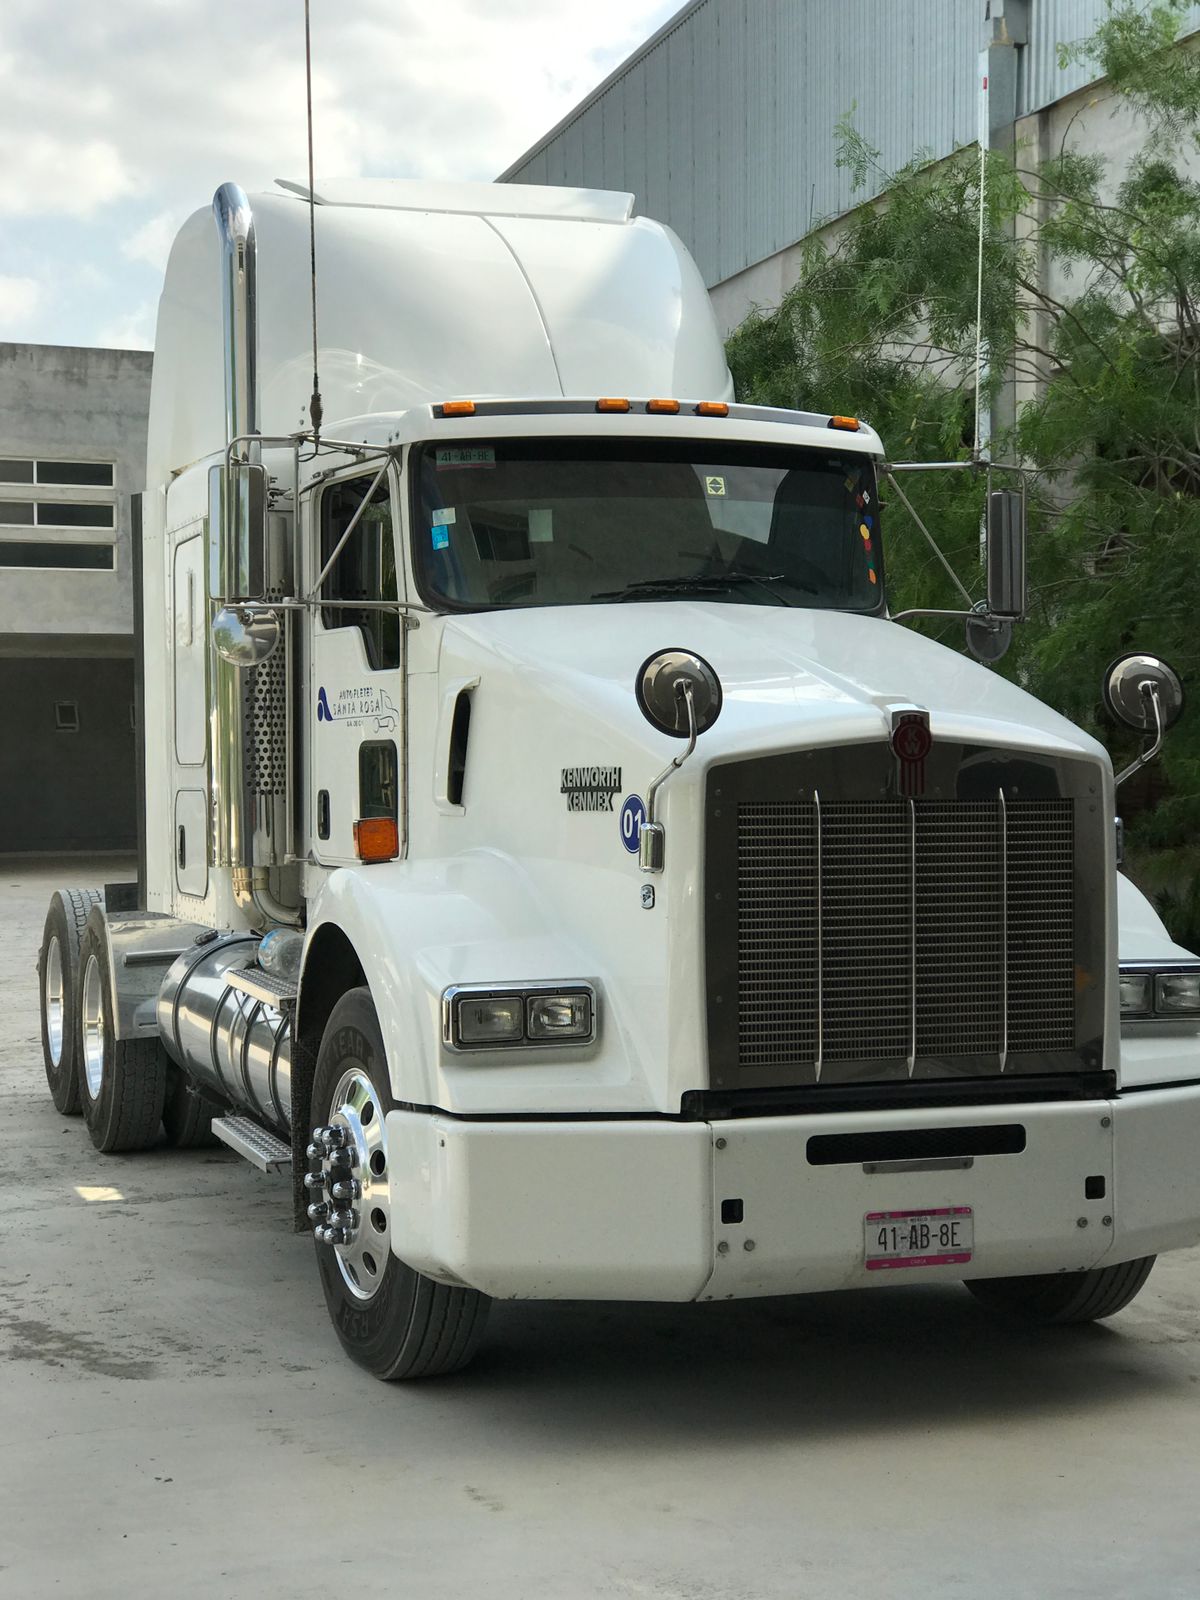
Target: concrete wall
(60,401)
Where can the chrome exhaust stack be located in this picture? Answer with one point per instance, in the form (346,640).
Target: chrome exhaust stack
(250,563)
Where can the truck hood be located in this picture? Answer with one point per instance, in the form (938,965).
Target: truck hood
(790,676)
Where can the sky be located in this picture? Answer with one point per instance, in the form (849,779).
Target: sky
(118,118)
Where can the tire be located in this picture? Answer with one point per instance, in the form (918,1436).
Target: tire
(58,986)
(1056,1299)
(187,1114)
(122,1082)
(396,1322)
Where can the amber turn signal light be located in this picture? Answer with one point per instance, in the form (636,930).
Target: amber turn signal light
(458,408)
(847,424)
(612,405)
(712,408)
(377,839)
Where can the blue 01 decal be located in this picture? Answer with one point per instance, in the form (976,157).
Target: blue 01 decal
(633,814)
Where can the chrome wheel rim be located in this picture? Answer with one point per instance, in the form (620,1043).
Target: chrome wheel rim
(53,996)
(362,1258)
(93,1027)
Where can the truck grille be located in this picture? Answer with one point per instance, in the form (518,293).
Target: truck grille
(856,935)
(874,930)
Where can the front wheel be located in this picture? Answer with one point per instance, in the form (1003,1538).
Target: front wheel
(390,1318)
(1065,1297)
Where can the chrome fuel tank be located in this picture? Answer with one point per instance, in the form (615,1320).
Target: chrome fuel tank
(239,1047)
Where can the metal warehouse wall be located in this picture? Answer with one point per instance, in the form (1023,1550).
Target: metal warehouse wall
(723,124)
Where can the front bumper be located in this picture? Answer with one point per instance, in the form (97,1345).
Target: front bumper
(631,1210)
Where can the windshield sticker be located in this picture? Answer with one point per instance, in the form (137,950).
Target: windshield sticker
(715,487)
(541,527)
(356,708)
(590,788)
(441,536)
(441,514)
(465,456)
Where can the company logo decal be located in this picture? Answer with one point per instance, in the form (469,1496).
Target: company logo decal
(356,708)
(633,814)
(911,744)
(590,788)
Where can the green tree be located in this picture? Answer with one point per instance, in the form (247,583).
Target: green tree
(882,321)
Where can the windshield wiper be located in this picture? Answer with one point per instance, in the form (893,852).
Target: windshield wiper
(698,583)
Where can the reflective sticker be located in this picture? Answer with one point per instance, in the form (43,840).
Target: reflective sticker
(441,537)
(541,527)
(714,487)
(633,814)
(465,456)
(441,514)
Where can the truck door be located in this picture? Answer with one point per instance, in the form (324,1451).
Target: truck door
(356,691)
(190,652)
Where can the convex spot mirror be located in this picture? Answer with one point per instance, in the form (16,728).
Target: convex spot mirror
(660,685)
(245,637)
(1127,692)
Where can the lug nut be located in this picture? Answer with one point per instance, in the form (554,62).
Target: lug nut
(335,1137)
(318,1211)
(347,1189)
(314,1180)
(315,1151)
(344,1219)
(341,1161)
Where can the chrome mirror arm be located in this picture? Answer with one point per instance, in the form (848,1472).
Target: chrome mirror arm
(1149,691)
(652,834)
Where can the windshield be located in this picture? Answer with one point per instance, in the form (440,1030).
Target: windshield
(546,522)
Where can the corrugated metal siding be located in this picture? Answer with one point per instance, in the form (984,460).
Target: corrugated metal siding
(724,127)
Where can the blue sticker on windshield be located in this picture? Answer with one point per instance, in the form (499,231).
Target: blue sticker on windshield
(441,537)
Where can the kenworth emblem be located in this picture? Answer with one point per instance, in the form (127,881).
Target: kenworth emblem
(911,743)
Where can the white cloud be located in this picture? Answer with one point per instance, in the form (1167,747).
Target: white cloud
(134,330)
(19,300)
(143,108)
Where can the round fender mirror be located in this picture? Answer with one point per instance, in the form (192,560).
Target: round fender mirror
(243,637)
(1127,686)
(660,695)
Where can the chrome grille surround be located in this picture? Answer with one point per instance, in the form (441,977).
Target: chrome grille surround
(878,937)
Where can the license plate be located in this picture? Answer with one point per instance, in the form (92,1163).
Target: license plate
(942,1238)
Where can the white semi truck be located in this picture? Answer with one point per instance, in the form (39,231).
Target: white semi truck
(569,921)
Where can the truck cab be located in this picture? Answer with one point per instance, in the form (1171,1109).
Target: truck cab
(555,854)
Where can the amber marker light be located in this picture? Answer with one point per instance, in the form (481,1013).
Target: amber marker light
(458,408)
(666,408)
(712,408)
(847,424)
(377,839)
(612,405)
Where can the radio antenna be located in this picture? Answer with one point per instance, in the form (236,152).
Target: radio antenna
(314,405)
(983,126)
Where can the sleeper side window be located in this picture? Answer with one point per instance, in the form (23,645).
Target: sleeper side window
(366,568)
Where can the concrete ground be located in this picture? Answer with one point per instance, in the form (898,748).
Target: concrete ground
(176,1418)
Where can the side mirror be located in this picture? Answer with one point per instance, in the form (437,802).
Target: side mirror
(1006,554)
(245,637)
(237,531)
(1131,686)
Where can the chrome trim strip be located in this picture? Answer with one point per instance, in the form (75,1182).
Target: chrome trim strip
(912,935)
(1003,930)
(817,1064)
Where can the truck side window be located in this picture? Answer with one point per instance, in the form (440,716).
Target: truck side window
(365,570)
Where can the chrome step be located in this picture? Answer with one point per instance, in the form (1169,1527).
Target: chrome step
(264,986)
(263,1150)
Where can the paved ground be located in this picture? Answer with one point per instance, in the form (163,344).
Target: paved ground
(177,1420)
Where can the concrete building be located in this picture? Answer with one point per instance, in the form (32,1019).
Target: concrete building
(723,124)
(72,452)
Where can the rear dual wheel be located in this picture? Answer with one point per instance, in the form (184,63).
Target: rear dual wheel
(390,1319)
(1057,1299)
(122,1082)
(58,983)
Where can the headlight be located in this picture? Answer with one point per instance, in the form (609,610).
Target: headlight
(1177,994)
(490,1019)
(1164,993)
